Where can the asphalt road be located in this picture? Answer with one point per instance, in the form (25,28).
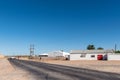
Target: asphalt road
(45,71)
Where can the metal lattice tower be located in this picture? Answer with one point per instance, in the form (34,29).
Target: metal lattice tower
(31,50)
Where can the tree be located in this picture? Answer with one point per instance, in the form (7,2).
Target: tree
(90,47)
(118,51)
(100,48)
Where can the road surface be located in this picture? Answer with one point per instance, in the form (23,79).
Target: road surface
(45,71)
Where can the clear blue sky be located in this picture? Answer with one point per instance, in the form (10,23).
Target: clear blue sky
(58,25)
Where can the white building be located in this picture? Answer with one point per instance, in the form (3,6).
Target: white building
(43,55)
(58,54)
(89,54)
(114,57)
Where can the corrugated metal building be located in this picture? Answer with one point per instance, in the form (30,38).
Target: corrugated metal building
(58,54)
(89,54)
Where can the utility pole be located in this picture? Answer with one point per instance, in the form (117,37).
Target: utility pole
(115,48)
(32,50)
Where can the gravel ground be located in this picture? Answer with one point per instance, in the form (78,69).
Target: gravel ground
(106,66)
(9,72)
(28,70)
(45,71)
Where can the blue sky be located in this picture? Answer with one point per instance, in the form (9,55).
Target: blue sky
(58,25)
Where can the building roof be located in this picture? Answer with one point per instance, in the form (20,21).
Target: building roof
(90,51)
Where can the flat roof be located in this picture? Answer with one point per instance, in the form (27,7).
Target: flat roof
(90,51)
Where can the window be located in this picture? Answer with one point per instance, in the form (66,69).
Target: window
(83,55)
(92,56)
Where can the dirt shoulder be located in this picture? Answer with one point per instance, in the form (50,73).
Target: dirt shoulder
(8,72)
(106,66)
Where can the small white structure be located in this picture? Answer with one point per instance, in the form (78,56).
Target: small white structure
(43,55)
(58,54)
(89,54)
(114,57)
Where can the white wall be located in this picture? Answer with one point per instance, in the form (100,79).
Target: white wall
(87,57)
(114,57)
(55,54)
(58,53)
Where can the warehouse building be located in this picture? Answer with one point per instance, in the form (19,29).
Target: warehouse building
(90,54)
(58,54)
